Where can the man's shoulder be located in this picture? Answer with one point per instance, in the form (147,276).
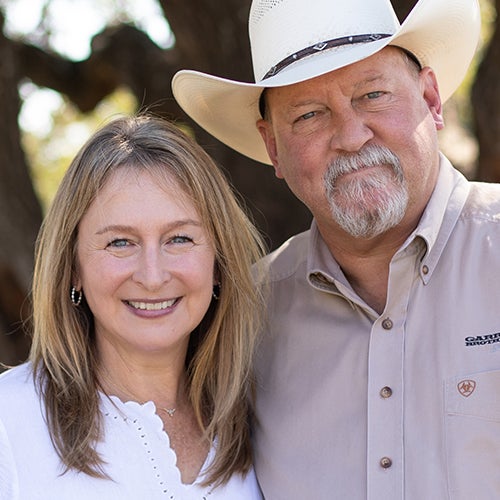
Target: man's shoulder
(287,258)
(483,201)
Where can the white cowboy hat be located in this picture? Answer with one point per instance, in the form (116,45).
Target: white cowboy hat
(295,40)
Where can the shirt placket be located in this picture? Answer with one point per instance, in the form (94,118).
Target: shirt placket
(385,454)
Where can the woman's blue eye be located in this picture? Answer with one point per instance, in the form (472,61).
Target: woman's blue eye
(181,239)
(119,243)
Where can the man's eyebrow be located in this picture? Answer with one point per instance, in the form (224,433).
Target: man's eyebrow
(372,78)
(299,104)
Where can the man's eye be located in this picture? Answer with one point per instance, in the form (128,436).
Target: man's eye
(306,116)
(374,95)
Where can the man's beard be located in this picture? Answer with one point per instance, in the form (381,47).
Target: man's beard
(367,206)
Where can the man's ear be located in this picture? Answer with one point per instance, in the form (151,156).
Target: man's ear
(266,131)
(430,89)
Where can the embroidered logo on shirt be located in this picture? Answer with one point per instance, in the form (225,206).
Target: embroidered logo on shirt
(492,338)
(466,387)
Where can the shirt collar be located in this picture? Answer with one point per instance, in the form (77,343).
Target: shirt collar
(434,228)
(440,215)
(322,268)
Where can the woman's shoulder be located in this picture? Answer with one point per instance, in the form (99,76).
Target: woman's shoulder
(17,376)
(17,387)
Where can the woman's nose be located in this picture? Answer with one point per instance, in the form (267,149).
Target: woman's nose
(152,269)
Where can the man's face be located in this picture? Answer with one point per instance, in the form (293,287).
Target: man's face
(358,145)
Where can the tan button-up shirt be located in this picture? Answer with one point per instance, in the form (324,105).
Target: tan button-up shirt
(353,405)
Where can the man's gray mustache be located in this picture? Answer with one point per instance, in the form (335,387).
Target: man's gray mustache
(368,156)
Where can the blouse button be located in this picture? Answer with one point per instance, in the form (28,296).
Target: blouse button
(386,392)
(387,324)
(385,462)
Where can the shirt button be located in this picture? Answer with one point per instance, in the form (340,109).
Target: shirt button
(385,462)
(425,269)
(387,324)
(386,392)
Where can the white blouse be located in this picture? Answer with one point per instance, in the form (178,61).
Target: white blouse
(136,450)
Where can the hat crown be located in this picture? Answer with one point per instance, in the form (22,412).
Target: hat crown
(295,40)
(280,28)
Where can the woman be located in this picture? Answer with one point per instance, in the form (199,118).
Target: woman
(145,319)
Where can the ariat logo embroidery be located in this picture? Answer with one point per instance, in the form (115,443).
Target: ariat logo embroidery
(466,387)
(492,338)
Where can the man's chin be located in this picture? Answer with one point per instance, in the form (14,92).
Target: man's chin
(368,222)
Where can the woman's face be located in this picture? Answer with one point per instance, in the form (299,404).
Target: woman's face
(145,264)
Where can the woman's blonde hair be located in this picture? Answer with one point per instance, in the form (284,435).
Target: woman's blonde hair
(221,347)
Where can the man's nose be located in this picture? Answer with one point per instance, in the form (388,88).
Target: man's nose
(350,133)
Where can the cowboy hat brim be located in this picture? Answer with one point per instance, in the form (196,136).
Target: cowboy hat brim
(442,34)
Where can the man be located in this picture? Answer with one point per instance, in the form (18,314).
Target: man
(379,370)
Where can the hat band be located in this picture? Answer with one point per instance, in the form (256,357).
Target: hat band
(336,42)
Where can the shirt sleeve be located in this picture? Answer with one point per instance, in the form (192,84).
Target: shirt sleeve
(8,475)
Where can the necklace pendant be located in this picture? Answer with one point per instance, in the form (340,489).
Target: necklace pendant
(170,411)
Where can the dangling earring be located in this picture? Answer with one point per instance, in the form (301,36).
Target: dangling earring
(216,291)
(76,296)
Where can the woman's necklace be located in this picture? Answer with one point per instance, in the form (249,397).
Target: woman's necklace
(122,390)
(170,411)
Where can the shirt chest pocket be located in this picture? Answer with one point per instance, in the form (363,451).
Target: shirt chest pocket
(472,434)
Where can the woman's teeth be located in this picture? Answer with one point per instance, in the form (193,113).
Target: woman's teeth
(152,306)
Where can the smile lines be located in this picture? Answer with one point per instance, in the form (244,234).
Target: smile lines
(152,306)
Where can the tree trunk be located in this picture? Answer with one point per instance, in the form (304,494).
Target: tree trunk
(213,37)
(485,99)
(20,216)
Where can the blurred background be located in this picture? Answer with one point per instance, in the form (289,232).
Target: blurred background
(67,66)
